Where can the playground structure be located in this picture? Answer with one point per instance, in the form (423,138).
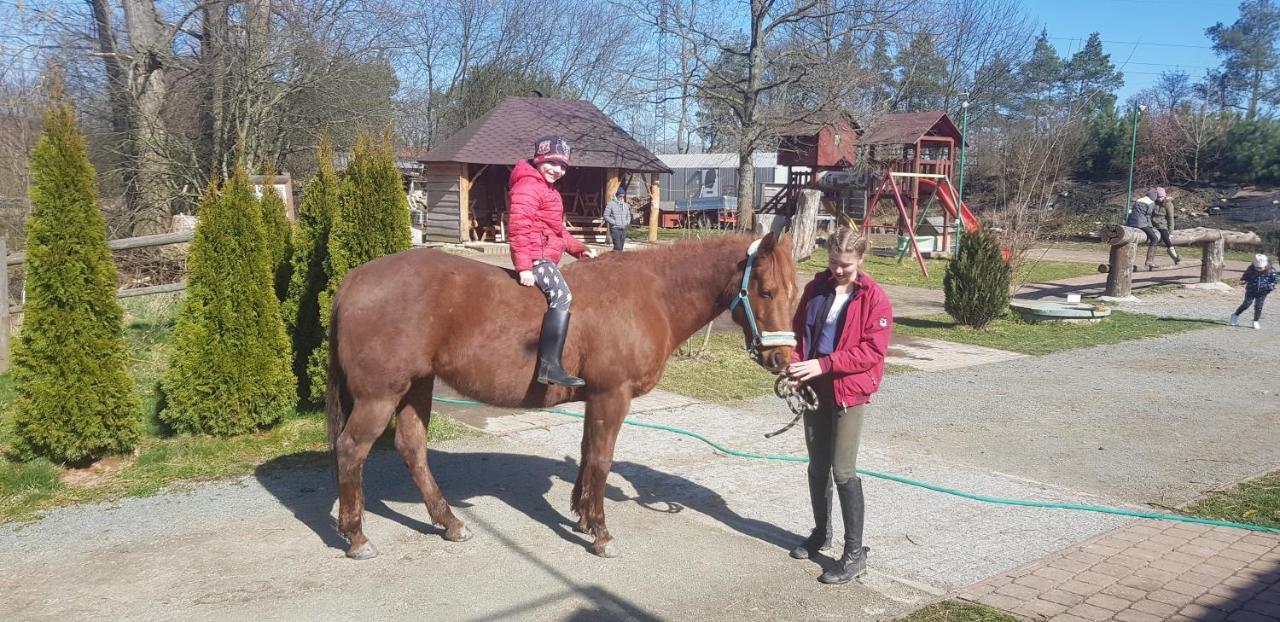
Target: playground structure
(909,157)
(1124,243)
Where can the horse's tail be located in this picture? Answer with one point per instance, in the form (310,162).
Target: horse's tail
(335,416)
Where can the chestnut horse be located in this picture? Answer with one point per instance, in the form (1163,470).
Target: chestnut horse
(401,321)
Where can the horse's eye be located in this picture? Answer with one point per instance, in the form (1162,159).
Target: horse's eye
(766,294)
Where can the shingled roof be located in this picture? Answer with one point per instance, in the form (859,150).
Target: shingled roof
(905,128)
(506,135)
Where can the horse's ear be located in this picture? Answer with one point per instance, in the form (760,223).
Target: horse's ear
(767,244)
(772,242)
(787,242)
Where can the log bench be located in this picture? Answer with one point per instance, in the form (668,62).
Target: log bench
(1124,242)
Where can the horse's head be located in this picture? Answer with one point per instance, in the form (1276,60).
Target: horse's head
(765,300)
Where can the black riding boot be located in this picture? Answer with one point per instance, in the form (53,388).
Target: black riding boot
(854,560)
(820,538)
(555,326)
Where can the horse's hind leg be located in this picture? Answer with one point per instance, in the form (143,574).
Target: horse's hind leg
(599,435)
(367,421)
(411,442)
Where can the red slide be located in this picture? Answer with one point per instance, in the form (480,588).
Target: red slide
(967,218)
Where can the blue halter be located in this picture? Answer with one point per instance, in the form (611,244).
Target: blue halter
(765,339)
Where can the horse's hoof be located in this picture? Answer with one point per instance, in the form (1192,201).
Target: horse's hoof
(366,551)
(461,534)
(608,551)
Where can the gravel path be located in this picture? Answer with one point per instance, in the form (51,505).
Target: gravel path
(1158,420)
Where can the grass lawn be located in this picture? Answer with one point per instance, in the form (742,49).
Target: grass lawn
(958,611)
(1256,502)
(887,270)
(1016,336)
(724,372)
(160,461)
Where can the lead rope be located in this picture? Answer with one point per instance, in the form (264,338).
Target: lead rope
(800,398)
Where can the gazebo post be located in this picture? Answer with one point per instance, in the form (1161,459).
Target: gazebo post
(612,180)
(655,195)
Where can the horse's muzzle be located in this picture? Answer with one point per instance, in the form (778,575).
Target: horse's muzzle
(775,360)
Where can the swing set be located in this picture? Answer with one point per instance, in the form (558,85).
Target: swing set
(942,191)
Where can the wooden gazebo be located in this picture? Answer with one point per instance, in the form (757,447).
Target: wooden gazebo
(466,176)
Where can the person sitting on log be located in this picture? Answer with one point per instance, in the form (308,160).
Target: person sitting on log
(1140,218)
(1162,220)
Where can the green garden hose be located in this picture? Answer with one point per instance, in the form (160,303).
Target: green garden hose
(911,482)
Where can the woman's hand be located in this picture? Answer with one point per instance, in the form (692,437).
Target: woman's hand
(526,278)
(805,370)
(589,253)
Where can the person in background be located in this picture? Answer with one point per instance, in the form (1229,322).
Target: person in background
(1259,280)
(618,216)
(1162,220)
(1140,218)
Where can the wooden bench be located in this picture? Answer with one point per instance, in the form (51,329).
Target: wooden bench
(1124,242)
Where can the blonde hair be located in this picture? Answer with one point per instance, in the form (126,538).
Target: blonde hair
(846,240)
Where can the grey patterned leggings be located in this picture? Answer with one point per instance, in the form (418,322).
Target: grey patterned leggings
(546,275)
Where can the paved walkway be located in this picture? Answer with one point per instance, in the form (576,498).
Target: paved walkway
(1146,572)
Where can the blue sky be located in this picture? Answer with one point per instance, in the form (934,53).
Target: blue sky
(1143,37)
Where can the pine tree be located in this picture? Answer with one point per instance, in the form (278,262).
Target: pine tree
(922,74)
(230,368)
(278,236)
(372,221)
(302,310)
(1250,48)
(881,64)
(76,401)
(976,284)
(1040,79)
(1091,78)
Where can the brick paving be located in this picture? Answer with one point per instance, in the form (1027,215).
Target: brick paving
(1146,572)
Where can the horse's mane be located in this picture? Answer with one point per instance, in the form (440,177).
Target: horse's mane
(669,257)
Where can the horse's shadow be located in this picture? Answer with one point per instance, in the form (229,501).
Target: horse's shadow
(520,481)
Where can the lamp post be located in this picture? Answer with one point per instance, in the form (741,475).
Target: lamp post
(1133,148)
(964,130)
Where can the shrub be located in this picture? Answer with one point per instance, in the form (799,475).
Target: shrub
(310,270)
(976,284)
(372,221)
(75,400)
(230,368)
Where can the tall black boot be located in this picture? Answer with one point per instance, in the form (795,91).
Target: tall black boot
(820,538)
(854,560)
(555,326)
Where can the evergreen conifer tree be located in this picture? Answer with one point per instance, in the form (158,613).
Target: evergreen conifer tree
(278,236)
(372,221)
(230,368)
(75,399)
(310,269)
(976,284)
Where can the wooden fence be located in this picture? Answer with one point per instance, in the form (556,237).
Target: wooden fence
(146,241)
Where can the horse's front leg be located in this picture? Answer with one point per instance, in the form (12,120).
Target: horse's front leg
(605,413)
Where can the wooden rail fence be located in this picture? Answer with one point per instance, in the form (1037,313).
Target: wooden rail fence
(146,241)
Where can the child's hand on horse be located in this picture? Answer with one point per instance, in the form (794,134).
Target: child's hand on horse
(589,254)
(805,370)
(526,278)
